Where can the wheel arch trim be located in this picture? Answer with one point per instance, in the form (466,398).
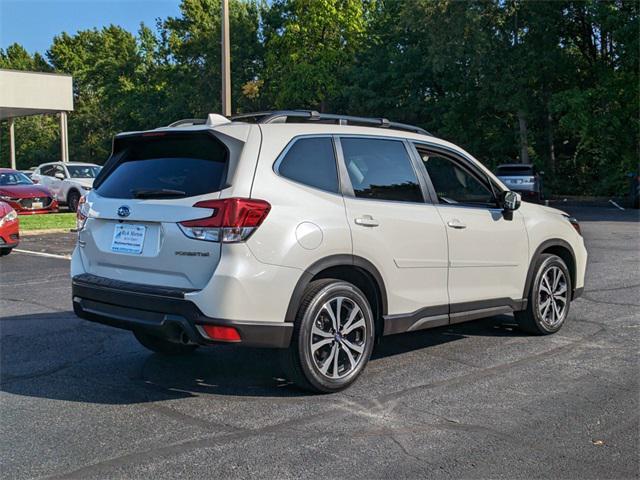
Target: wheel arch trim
(339,260)
(553,242)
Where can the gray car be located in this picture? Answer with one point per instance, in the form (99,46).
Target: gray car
(522,178)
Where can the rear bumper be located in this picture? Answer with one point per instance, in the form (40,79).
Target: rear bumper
(163,312)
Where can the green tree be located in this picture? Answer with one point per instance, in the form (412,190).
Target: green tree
(191,51)
(310,45)
(103,65)
(553,83)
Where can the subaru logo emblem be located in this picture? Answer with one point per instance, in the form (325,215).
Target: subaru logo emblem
(123,211)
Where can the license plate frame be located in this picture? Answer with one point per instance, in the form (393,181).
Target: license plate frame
(128,238)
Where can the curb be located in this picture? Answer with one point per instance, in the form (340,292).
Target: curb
(46,231)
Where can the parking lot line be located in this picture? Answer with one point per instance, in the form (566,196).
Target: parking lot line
(42,254)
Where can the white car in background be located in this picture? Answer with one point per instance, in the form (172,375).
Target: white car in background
(67,181)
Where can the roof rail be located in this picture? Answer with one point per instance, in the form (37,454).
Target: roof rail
(185,122)
(301,116)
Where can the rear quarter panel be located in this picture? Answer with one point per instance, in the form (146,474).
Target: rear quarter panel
(305,224)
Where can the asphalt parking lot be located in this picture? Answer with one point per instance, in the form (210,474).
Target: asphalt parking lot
(476,400)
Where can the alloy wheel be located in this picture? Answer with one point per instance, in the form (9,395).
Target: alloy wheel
(338,337)
(552,297)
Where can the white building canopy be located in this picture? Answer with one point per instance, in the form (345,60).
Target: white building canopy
(32,93)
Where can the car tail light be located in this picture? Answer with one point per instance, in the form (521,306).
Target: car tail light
(225,334)
(232,220)
(82,213)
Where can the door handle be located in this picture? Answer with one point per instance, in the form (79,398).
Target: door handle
(455,223)
(366,221)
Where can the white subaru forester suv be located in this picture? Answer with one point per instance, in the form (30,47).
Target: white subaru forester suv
(313,233)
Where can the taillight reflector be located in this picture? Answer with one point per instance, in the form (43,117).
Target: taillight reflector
(225,334)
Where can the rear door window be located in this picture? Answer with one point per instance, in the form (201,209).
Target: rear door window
(381,169)
(311,161)
(171,166)
(47,170)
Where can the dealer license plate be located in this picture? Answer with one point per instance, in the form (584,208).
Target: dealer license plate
(128,238)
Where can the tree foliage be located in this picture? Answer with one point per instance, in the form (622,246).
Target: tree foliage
(554,83)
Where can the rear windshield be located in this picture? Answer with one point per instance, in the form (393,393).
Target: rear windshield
(523,171)
(175,165)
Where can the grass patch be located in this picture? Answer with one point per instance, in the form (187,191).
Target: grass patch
(47,221)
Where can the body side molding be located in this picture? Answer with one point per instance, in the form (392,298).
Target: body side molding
(440,315)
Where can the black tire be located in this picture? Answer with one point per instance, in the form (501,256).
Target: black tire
(352,345)
(73,198)
(536,319)
(160,345)
(5,251)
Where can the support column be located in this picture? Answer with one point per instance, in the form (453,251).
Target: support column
(226,60)
(12,143)
(64,138)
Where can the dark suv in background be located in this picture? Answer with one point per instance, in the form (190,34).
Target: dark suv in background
(522,178)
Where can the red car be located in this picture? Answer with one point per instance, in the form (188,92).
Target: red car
(25,196)
(9,236)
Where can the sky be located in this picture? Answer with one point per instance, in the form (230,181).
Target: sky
(34,23)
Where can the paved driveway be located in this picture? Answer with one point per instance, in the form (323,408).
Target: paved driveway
(476,400)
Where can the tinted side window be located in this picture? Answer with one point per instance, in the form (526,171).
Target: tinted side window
(453,184)
(311,161)
(381,169)
(47,171)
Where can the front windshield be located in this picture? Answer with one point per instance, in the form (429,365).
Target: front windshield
(83,171)
(14,178)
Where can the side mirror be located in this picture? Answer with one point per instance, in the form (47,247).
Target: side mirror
(510,201)
(59,176)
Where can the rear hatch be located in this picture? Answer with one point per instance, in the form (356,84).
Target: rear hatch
(150,184)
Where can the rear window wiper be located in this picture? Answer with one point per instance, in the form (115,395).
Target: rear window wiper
(157,193)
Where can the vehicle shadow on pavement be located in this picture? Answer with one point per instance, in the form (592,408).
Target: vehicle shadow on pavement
(498,326)
(72,360)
